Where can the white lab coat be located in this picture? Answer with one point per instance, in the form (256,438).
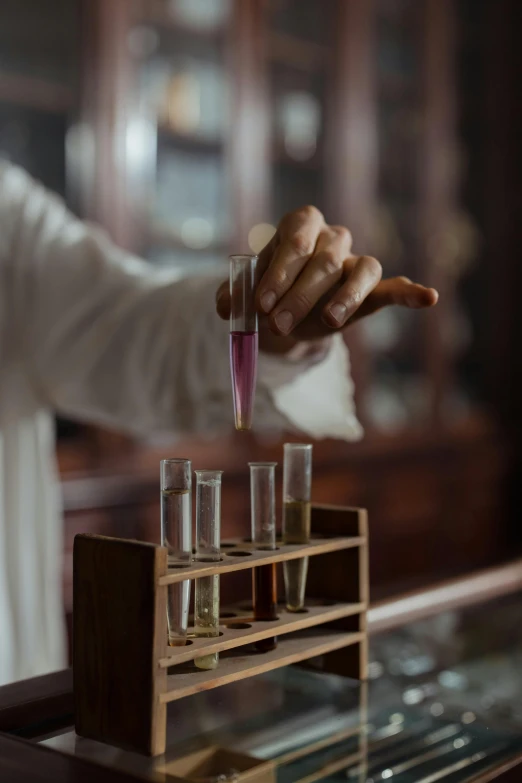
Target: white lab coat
(92,333)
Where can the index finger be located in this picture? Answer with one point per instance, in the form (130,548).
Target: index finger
(297,234)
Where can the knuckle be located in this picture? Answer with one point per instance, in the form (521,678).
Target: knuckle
(301,302)
(353,295)
(373,266)
(342,233)
(403,279)
(301,243)
(328,263)
(310,212)
(281,278)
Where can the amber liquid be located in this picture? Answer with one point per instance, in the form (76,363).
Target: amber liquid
(296,530)
(264,594)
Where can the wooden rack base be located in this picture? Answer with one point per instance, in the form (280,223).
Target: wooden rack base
(124,671)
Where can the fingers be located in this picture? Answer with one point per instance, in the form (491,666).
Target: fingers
(298,234)
(320,274)
(397,291)
(362,280)
(223,300)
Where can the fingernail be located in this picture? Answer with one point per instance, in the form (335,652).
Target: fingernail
(268,300)
(284,321)
(338,312)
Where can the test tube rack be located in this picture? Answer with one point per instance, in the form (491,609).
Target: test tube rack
(125,673)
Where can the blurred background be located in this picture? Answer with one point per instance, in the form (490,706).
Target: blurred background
(187,128)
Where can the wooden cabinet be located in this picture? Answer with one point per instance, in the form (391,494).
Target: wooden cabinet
(188,128)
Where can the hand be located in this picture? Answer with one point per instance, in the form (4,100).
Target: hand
(312,285)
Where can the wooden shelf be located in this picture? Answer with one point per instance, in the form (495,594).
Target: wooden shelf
(239,665)
(193,143)
(297,53)
(288,622)
(253,557)
(35,93)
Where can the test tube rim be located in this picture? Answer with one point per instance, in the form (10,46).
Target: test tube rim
(216,473)
(236,257)
(298,446)
(262,464)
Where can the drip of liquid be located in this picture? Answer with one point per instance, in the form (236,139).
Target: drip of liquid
(206,616)
(264,593)
(296,530)
(243,367)
(176,530)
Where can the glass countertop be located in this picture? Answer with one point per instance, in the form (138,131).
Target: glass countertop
(443,702)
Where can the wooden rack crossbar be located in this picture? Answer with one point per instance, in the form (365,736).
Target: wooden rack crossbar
(255,557)
(288,622)
(124,671)
(291,649)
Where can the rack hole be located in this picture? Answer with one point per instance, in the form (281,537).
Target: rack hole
(228,545)
(239,554)
(228,614)
(181,644)
(239,626)
(179,565)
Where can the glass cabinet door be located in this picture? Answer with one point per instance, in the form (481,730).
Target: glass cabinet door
(299,35)
(183,85)
(398,396)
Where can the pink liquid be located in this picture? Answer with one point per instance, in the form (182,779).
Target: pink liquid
(243,366)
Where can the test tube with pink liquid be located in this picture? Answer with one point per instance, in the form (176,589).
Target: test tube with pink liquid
(243,337)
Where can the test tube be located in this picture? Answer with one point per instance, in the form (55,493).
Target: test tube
(297,481)
(264,578)
(208,543)
(243,337)
(176,535)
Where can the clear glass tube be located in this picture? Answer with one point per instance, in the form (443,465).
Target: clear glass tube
(264,578)
(208,544)
(297,485)
(243,337)
(176,535)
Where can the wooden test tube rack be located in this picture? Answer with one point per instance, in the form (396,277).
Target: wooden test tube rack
(124,671)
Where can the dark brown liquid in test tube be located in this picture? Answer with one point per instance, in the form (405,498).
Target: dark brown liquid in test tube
(264,592)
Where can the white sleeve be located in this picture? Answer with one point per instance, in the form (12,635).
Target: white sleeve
(109,340)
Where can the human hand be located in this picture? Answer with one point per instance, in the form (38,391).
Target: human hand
(311,284)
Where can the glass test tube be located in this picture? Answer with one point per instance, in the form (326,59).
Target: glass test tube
(176,535)
(208,544)
(264,578)
(243,337)
(297,482)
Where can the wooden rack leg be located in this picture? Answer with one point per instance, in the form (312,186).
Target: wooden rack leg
(119,634)
(343,576)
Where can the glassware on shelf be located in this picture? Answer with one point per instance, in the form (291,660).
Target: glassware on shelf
(297,485)
(203,15)
(300,120)
(176,535)
(243,337)
(208,543)
(264,578)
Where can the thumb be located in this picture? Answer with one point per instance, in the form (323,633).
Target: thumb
(397,291)
(223,301)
